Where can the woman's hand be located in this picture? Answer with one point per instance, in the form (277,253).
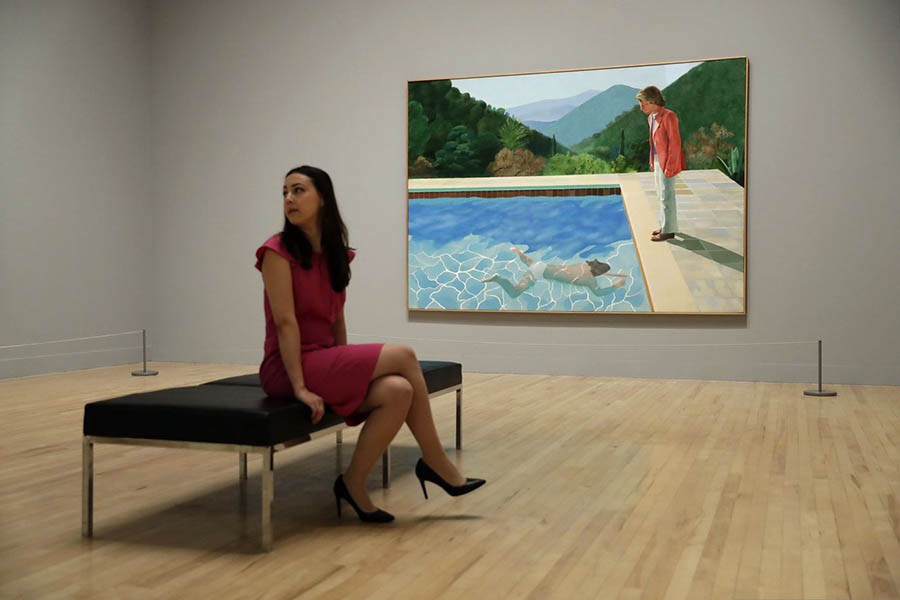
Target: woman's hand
(313,401)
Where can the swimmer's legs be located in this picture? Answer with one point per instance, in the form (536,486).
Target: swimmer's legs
(525,258)
(514,290)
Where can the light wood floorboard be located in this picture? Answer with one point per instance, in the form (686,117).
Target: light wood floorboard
(597,488)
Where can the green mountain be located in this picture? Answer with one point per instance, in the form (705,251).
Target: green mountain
(712,92)
(590,117)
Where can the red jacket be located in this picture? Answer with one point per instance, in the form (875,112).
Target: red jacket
(668,143)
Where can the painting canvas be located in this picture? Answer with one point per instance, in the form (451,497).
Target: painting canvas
(535,192)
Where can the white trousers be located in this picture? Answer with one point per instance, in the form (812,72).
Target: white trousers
(665,191)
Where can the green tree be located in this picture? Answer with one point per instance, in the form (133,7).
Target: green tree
(459,156)
(620,165)
(513,134)
(419,133)
(486,147)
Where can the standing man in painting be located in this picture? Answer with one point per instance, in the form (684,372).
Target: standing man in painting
(666,157)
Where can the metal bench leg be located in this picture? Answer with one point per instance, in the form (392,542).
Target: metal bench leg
(87,487)
(268,494)
(339,446)
(459,419)
(242,487)
(386,468)
(242,465)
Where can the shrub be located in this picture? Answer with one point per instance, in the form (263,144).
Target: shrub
(516,163)
(576,164)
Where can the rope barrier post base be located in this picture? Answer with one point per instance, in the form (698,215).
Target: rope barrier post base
(819,393)
(144,372)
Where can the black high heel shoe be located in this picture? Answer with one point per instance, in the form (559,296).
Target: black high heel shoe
(342,493)
(426,473)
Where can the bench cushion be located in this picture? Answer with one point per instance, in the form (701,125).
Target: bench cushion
(248,380)
(439,375)
(224,414)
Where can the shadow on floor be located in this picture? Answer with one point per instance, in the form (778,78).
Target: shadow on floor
(714,252)
(226,518)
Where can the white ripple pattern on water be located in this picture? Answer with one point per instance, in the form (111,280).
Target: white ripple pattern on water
(449,278)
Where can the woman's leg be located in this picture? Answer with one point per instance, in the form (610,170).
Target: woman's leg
(401,360)
(387,404)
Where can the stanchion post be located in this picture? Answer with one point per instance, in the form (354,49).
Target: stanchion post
(819,391)
(144,372)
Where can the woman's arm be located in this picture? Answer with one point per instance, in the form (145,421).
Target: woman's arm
(276,272)
(340,330)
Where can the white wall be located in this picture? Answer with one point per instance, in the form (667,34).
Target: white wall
(246,91)
(242,91)
(75,181)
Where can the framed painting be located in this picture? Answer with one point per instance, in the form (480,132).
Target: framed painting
(547,192)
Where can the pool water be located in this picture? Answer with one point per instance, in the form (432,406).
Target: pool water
(454,243)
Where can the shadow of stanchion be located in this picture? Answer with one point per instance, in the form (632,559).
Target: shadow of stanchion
(706,249)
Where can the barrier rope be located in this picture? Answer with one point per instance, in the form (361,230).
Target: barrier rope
(80,339)
(580,345)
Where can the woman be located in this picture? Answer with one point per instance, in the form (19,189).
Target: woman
(305,270)
(666,157)
(582,274)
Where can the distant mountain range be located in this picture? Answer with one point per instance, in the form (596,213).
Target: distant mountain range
(550,110)
(587,114)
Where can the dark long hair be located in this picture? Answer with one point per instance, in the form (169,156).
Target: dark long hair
(597,268)
(334,232)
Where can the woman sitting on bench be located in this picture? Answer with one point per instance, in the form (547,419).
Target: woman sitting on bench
(305,270)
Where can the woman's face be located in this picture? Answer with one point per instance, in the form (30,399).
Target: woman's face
(302,202)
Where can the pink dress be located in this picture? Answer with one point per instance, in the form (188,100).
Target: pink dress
(339,374)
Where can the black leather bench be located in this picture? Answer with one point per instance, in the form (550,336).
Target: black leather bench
(440,377)
(233,415)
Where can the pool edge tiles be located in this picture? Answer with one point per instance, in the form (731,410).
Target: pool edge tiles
(511,192)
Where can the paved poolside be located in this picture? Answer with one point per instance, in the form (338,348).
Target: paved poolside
(702,269)
(708,250)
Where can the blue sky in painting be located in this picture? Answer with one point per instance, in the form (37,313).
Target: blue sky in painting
(515,90)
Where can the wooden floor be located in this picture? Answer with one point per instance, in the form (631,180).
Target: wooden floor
(597,488)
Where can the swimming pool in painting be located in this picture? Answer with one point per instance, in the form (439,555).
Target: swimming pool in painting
(455,242)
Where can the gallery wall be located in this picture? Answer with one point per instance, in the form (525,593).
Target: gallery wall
(75,182)
(239,92)
(246,91)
